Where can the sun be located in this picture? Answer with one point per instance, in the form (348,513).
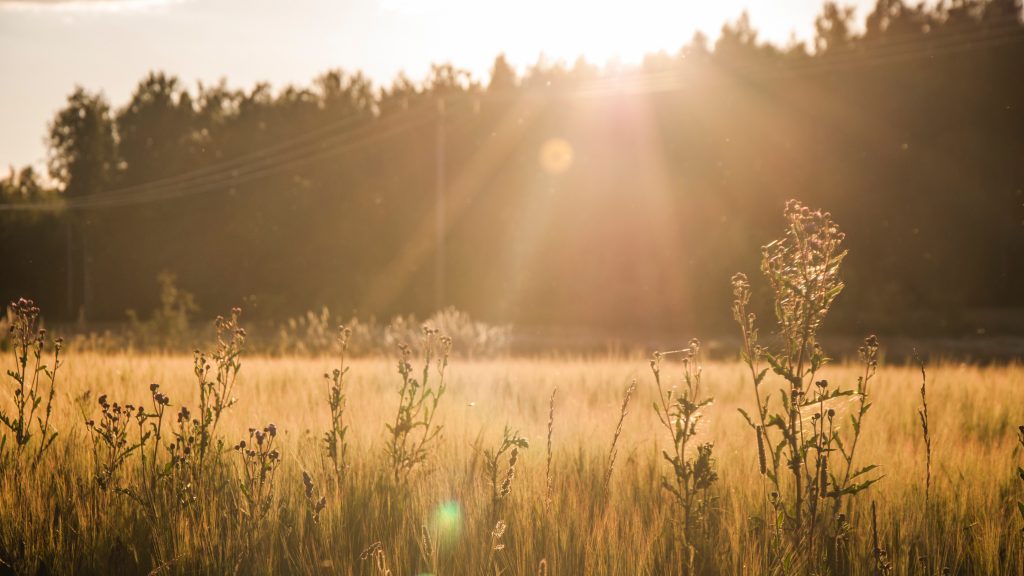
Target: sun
(603,32)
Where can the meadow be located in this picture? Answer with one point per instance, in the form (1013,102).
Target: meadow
(425,462)
(54,516)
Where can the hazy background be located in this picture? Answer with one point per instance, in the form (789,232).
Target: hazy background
(615,199)
(107,45)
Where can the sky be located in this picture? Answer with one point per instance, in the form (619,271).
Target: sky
(47,47)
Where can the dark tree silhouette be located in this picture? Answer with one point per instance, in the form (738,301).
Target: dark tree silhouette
(909,131)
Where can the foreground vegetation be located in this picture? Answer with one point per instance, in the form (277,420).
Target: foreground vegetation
(53,514)
(781,463)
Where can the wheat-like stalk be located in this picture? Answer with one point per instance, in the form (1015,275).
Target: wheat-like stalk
(613,452)
(922,414)
(551,432)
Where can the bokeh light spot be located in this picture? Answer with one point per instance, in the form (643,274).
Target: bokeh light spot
(556,156)
(446,522)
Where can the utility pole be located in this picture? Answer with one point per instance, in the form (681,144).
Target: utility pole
(439,207)
(86,276)
(70,266)
(79,282)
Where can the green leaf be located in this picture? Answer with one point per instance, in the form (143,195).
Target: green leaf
(760,377)
(747,418)
(855,488)
(831,395)
(779,369)
(863,470)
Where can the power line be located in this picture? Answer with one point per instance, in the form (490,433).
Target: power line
(918,47)
(241,160)
(367,134)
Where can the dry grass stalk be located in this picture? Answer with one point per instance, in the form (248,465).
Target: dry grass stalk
(548,479)
(613,452)
(922,414)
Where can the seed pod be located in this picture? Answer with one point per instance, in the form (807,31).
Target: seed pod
(425,535)
(824,476)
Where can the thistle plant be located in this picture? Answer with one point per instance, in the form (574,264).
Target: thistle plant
(316,505)
(193,435)
(334,442)
(413,436)
(184,450)
(680,412)
(798,436)
(34,384)
(853,477)
(151,425)
(111,442)
(260,460)
(216,381)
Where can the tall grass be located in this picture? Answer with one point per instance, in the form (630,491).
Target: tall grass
(974,524)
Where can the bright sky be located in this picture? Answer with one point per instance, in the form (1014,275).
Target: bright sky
(49,46)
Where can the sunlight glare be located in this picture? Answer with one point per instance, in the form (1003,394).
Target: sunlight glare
(446,523)
(556,156)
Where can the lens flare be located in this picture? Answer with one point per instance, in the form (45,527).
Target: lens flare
(446,522)
(556,156)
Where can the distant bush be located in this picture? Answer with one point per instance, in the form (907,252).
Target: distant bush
(316,333)
(169,325)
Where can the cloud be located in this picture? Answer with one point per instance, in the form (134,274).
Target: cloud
(82,5)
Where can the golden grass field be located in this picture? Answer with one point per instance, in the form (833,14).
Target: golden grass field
(54,520)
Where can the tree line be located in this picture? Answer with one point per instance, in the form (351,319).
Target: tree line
(605,198)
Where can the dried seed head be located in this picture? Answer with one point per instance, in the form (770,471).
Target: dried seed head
(824,476)
(496,534)
(370,550)
(499,529)
(761,459)
(425,538)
